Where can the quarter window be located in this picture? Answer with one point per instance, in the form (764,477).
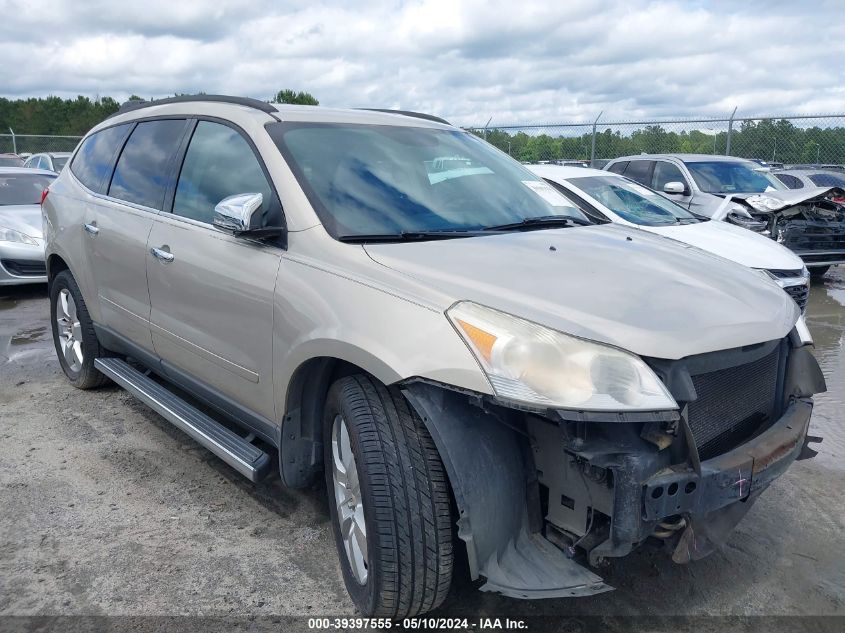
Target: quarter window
(665,173)
(95,158)
(220,163)
(142,173)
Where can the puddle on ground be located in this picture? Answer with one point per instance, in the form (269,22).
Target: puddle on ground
(826,320)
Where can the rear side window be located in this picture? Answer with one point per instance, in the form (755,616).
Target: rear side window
(220,163)
(95,159)
(142,171)
(790,181)
(640,170)
(618,168)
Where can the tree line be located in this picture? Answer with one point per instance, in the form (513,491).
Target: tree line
(74,117)
(767,139)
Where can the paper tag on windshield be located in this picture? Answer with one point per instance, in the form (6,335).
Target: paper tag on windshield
(547,193)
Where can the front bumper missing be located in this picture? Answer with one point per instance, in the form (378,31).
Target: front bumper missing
(716,498)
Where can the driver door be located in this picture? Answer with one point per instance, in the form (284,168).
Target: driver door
(211,293)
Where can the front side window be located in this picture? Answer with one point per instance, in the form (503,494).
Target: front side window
(725,177)
(632,202)
(22,188)
(388,180)
(792,182)
(220,163)
(142,173)
(618,168)
(664,173)
(827,180)
(94,161)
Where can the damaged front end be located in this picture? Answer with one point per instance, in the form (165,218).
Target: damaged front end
(811,222)
(541,492)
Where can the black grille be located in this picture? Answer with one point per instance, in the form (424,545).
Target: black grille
(800,293)
(25,267)
(733,403)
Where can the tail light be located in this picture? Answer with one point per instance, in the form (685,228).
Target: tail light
(44,195)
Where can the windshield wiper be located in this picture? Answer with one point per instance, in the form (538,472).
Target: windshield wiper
(543,221)
(408,236)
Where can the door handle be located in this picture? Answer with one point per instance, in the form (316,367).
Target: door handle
(164,256)
(91,228)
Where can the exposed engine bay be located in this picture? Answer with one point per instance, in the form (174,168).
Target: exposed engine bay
(811,223)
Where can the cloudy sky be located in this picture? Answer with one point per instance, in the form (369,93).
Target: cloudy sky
(518,61)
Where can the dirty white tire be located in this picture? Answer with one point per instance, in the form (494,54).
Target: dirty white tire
(388,498)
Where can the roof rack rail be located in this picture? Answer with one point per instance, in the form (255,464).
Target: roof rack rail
(416,115)
(130,106)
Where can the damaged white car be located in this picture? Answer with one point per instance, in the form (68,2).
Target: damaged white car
(808,221)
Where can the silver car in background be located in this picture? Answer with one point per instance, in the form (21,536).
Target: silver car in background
(21,231)
(387,303)
(810,222)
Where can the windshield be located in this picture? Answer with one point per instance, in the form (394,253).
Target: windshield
(22,188)
(732,177)
(59,163)
(827,180)
(388,180)
(632,202)
(10,161)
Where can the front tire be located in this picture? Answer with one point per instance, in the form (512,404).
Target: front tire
(388,499)
(73,333)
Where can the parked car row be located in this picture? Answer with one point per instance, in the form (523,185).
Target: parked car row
(469,357)
(608,197)
(810,222)
(51,161)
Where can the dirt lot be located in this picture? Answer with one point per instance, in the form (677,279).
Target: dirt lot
(105,509)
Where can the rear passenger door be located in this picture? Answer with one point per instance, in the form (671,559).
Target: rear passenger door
(122,222)
(212,293)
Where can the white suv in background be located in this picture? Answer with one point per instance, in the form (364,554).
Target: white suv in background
(608,197)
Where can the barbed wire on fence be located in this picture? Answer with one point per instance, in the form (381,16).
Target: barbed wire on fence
(788,139)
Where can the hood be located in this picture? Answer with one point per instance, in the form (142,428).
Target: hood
(25,218)
(732,242)
(613,284)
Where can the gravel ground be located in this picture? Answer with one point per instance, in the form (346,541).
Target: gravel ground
(107,510)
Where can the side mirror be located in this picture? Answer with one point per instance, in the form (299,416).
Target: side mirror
(234,214)
(675,188)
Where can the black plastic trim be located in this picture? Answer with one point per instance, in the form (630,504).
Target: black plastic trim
(132,106)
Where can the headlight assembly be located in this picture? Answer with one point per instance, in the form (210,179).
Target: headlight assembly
(529,363)
(11,235)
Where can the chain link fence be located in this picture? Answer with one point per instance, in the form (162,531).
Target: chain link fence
(791,140)
(36,143)
(817,139)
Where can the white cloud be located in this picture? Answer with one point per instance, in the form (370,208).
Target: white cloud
(517,62)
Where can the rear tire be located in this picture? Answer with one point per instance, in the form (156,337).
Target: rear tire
(402,500)
(73,333)
(817,272)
